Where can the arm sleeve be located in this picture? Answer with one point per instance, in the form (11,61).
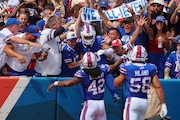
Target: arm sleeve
(58,31)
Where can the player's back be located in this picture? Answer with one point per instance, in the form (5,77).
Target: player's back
(93,87)
(138,76)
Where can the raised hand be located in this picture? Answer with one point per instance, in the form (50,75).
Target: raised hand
(57,8)
(43,56)
(130,9)
(141,21)
(107,38)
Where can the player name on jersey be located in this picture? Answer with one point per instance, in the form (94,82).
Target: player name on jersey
(142,73)
(100,76)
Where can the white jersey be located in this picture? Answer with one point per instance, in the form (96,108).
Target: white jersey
(5,36)
(52,65)
(114,57)
(24,49)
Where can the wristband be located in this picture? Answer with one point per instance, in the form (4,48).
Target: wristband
(56,83)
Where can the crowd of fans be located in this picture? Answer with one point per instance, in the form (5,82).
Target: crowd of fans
(59,54)
(48,38)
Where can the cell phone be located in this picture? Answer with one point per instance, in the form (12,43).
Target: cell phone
(47,49)
(30,5)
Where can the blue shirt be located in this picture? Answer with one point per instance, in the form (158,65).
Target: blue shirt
(141,40)
(173,62)
(69,55)
(138,78)
(99,41)
(93,88)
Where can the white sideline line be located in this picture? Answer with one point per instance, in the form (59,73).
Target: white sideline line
(13,97)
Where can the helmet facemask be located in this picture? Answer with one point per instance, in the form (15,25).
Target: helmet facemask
(88,34)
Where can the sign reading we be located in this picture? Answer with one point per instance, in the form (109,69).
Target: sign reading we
(89,15)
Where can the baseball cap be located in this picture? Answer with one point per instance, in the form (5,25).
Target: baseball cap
(178,39)
(128,19)
(178,42)
(116,42)
(12,21)
(160,2)
(160,19)
(71,35)
(103,3)
(33,29)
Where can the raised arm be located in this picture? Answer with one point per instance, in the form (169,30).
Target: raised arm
(109,24)
(148,29)
(14,12)
(61,29)
(65,26)
(116,3)
(55,10)
(138,30)
(174,18)
(3,11)
(77,24)
(23,41)
(134,16)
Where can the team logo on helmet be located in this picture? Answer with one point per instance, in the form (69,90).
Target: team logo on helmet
(89,60)
(88,31)
(138,53)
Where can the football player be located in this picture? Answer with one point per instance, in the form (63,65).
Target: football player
(138,76)
(92,78)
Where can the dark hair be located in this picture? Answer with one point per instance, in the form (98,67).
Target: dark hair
(164,29)
(49,6)
(117,31)
(93,72)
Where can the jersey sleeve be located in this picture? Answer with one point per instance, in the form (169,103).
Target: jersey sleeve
(67,57)
(100,40)
(6,35)
(46,35)
(128,46)
(169,60)
(78,74)
(123,69)
(153,69)
(105,67)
